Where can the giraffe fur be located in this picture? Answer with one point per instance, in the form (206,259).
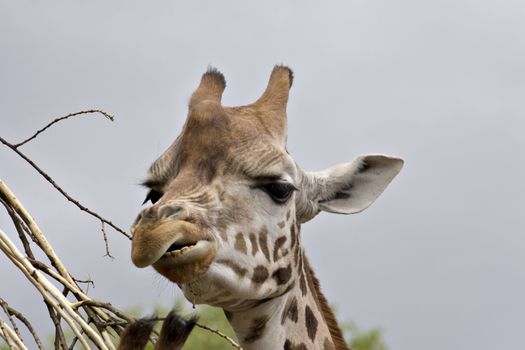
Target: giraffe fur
(227,205)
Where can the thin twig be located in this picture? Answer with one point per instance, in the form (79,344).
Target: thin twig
(105,236)
(60,339)
(21,228)
(106,306)
(61,306)
(110,117)
(6,308)
(24,320)
(220,334)
(59,189)
(88,282)
(73,343)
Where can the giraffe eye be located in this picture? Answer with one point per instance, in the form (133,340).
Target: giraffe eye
(280,192)
(153,196)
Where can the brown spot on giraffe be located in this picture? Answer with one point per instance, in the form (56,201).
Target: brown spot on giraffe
(293,236)
(282,275)
(279,242)
(290,311)
(263,243)
(281,224)
(310,322)
(240,243)
(255,246)
(302,284)
(288,345)
(256,329)
(296,255)
(260,274)
(302,278)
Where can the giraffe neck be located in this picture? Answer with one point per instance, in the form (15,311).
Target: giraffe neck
(300,319)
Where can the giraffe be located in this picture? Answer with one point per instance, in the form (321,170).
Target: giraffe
(227,205)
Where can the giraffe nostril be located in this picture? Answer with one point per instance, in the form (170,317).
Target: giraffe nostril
(168,211)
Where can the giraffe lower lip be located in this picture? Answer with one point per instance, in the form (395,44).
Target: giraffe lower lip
(186,264)
(187,253)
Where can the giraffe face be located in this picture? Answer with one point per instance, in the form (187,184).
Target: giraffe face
(227,199)
(222,227)
(222,220)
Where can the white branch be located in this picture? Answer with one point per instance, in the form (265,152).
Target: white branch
(11,337)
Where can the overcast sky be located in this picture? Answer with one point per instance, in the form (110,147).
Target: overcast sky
(438,262)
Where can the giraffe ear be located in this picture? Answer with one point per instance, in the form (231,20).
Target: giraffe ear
(347,188)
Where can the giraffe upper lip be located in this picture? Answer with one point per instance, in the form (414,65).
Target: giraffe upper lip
(167,238)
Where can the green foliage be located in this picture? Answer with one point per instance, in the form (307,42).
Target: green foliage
(202,339)
(368,340)
(359,339)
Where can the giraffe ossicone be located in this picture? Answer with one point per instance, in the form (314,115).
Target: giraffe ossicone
(227,204)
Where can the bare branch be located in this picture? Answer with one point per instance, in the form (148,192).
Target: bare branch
(60,339)
(105,236)
(106,306)
(10,311)
(88,282)
(21,228)
(6,308)
(59,189)
(110,117)
(96,319)
(10,336)
(220,334)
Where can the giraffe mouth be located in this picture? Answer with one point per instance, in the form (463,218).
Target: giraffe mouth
(184,251)
(185,260)
(170,243)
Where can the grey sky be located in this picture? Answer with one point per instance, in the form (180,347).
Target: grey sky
(437,262)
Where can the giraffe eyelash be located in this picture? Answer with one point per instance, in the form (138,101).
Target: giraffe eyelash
(154,196)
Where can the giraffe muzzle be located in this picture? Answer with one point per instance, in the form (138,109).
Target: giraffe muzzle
(170,243)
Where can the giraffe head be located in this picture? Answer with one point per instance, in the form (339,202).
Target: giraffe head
(228,200)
